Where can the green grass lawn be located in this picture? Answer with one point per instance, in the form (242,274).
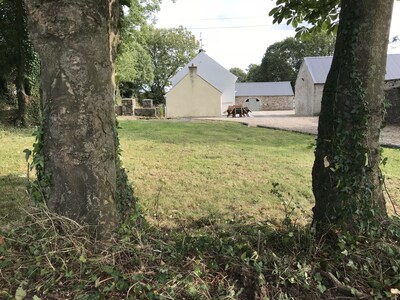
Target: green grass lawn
(213,181)
(189,172)
(192,171)
(13,171)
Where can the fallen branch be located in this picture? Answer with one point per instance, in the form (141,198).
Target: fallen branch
(344,289)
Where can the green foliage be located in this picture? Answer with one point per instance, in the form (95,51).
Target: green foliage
(322,15)
(135,14)
(169,49)
(148,56)
(36,161)
(253,73)
(239,73)
(133,62)
(282,60)
(289,206)
(126,201)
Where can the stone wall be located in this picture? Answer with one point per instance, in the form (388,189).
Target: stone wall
(269,102)
(392,84)
(145,112)
(393,111)
(128,105)
(147,103)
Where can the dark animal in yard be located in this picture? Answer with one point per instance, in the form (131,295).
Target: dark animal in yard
(242,111)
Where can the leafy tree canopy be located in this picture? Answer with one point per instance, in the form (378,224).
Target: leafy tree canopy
(135,13)
(282,60)
(133,63)
(148,56)
(239,73)
(253,73)
(169,49)
(322,15)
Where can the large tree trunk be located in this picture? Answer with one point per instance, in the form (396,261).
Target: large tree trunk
(347,181)
(75,41)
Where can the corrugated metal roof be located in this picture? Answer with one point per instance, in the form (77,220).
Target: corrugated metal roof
(209,70)
(281,88)
(319,67)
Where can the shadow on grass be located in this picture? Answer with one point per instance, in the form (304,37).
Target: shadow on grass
(54,256)
(13,197)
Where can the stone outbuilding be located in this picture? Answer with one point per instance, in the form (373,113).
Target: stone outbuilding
(265,95)
(312,76)
(202,88)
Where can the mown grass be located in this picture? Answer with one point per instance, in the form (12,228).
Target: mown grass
(13,171)
(191,171)
(188,171)
(208,185)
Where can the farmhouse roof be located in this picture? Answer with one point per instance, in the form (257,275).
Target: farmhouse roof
(281,88)
(393,67)
(319,67)
(209,70)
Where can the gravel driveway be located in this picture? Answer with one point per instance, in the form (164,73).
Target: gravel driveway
(287,120)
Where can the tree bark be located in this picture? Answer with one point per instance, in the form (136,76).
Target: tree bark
(76,44)
(347,181)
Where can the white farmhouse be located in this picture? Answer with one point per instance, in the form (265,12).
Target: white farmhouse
(202,88)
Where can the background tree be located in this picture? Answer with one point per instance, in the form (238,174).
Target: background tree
(133,65)
(19,64)
(169,49)
(282,60)
(133,69)
(347,182)
(253,73)
(239,73)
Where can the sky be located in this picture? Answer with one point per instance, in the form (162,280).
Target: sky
(236,33)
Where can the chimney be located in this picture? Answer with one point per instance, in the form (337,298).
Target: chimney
(192,69)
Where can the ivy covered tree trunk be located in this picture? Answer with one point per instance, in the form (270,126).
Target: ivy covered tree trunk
(347,182)
(76,44)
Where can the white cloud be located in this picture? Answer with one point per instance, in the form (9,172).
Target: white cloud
(235,33)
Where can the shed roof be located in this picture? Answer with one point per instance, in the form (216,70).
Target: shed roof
(209,70)
(319,67)
(392,67)
(281,88)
